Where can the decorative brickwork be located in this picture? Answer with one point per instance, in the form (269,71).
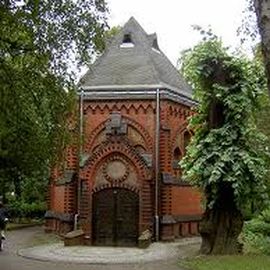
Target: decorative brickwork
(91,140)
(118,152)
(126,153)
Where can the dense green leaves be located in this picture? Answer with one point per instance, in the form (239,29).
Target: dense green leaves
(67,32)
(262,10)
(41,45)
(227,147)
(257,232)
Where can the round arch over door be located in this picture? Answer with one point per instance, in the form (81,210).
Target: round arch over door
(115,217)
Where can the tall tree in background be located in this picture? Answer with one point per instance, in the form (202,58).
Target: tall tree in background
(262,9)
(226,157)
(42,43)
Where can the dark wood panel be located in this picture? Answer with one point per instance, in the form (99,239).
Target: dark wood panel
(103,218)
(127,217)
(115,219)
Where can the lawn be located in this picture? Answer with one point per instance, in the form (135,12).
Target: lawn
(244,262)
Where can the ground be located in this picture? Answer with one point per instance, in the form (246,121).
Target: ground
(19,239)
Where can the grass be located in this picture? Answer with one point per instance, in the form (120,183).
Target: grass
(228,262)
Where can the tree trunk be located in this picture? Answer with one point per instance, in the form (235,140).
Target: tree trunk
(262,9)
(221,225)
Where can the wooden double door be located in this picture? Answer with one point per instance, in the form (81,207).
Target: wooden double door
(115,217)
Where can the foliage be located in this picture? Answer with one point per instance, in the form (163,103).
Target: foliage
(262,11)
(108,36)
(263,125)
(20,209)
(257,232)
(65,31)
(231,152)
(247,262)
(248,30)
(39,43)
(32,118)
(35,189)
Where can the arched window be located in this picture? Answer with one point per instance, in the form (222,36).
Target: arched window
(177,156)
(127,41)
(127,38)
(187,138)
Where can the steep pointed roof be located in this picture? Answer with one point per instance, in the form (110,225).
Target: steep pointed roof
(136,62)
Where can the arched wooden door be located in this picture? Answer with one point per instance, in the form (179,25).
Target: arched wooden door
(115,217)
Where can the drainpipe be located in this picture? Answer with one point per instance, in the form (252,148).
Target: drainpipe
(157,165)
(77,215)
(81,122)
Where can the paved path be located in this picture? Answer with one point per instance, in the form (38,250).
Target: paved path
(55,256)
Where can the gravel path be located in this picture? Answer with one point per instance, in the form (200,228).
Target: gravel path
(157,256)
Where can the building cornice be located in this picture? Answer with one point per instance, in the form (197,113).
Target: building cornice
(126,92)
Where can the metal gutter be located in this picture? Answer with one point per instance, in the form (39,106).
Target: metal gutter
(122,87)
(157,164)
(77,215)
(116,94)
(142,87)
(81,121)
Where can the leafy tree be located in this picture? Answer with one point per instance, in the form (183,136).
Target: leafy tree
(262,10)
(226,157)
(42,43)
(262,122)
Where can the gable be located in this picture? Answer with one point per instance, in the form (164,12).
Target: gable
(133,59)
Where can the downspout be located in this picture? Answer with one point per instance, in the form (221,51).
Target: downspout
(81,122)
(157,164)
(76,217)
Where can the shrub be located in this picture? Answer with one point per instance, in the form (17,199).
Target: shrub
(20,209)
(257,232)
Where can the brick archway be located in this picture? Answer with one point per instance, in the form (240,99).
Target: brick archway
(110,150)
(119,146)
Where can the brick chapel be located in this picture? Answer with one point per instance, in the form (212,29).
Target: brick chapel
(125,179)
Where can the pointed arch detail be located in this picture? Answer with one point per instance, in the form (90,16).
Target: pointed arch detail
(120,147)
(140,129)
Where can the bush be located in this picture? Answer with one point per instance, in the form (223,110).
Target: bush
(257,232)
(20,209)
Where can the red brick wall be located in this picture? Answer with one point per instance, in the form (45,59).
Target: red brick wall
(141,116)
(58,200)
(96,113)
(186,201)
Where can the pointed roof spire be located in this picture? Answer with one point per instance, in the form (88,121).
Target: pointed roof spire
(133,58)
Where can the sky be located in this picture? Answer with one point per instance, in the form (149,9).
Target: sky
(172,20)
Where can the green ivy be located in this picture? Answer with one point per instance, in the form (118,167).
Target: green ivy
(235,151)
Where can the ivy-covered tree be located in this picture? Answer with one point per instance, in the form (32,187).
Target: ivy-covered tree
(262,10)
(262,122)
(226,156)
(42,43)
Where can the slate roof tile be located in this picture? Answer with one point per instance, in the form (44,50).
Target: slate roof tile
(144,64)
